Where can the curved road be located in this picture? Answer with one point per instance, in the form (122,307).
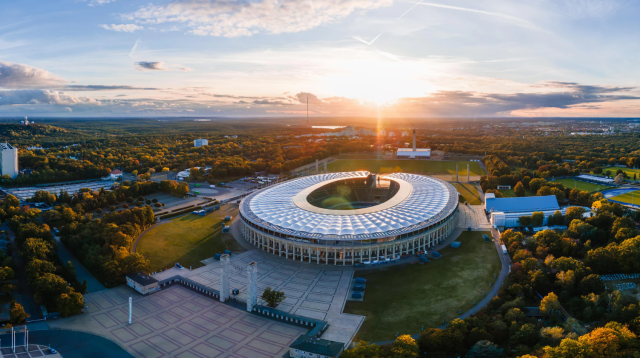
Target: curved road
(70,344)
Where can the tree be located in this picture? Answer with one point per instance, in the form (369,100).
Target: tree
(519,189)
(551,335)
(273,297)
(17,314)
(182,189)
(619,179)
(536,184)
(573,212)
(69,303)
(484,349)
(363,350)
(6,275)
(35,249)
(537,218)
(525,220)
(404,347)
(549,304)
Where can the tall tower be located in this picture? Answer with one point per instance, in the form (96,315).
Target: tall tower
(414,139)
(8,160)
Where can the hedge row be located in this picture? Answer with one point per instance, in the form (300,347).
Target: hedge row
(178,213)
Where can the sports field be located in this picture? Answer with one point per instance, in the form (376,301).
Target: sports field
(404,298)
(581,185)
(187,239)
(629,171)
(469,193)
(405,166)
(630,197)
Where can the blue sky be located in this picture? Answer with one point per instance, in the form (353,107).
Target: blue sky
(452,58)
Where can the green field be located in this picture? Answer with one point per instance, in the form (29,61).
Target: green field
(581,185)
(404,298)
(187,239)
(510,193)
(629,172)
(628,198)
(469,193)
(406,166)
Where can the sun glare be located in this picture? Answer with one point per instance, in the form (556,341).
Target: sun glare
(379,81)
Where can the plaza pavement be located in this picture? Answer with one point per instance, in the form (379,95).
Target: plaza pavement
(178,322)
(312,290)
(473,216)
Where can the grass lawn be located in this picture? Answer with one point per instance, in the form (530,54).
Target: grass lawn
(628,198)
(581,185)
(629,171)
(408,166)
(405,298)
(187,239)
(469,193)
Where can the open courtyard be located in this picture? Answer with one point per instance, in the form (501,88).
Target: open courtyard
(405,298)
(178,322)
(187,239)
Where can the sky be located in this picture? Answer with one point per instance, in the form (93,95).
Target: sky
(268,58)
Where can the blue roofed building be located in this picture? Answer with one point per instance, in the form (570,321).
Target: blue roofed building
(506,212)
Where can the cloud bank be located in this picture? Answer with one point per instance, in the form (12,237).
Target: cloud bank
(122,27)
(229,18)
(159,66)
(37,96)
(20,76)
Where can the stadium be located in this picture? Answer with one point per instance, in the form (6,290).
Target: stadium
(350,217)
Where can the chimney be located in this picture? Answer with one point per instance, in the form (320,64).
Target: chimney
(414,139)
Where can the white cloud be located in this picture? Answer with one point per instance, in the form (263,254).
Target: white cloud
(19,76)
(37,96)
(99,2)
(159,66)
(122,27)
(231,18)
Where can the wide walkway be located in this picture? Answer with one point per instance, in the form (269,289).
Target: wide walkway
(93,285)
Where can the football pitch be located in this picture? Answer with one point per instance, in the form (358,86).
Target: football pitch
(405,166)
(581,185)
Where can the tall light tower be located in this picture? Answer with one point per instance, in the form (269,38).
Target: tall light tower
(307,112)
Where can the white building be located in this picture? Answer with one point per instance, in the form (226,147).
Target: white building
(383,133)
(405,134)
(392,134)
(200,142)
(8,160)
(411,153)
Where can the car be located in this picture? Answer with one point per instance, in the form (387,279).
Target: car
(179,266)
(52,351)
(212,186)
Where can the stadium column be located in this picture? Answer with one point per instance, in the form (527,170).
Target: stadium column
(301,253)
(225,263)
(286,250)
(326,256)
(252,278)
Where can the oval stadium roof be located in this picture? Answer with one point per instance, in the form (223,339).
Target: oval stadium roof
(425,201)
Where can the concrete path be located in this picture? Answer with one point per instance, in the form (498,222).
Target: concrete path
(93,285)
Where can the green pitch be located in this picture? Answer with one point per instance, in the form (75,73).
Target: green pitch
(404,298)
(628,198)
(405,166)
(581,185)
(629,171)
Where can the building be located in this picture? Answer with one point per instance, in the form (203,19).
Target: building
(392,134)
(8,160)
(597,180)
(383,133)
(310,347)
(506,212)
(418,153)
(405,134)
(142,282)
(200,142)
(380,218)
(115,175)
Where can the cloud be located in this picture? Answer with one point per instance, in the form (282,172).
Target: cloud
(272,102)
(37,96)
(122,27)
(106,88)
(159,66)
(302,97)
(99,2)
(20,76)
(230,18)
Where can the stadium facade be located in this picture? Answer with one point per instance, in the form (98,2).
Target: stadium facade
(350,217)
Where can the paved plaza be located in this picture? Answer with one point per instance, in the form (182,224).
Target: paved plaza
(34,350)
(312,290)
(178,322)
(472,216)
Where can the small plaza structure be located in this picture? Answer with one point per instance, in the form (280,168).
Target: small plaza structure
(142,282)
(310,347)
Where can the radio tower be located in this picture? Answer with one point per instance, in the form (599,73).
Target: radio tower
(307,112)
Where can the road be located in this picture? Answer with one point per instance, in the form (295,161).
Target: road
(93,285)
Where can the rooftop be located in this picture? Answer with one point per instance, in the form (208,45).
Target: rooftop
(6,146)
(142,278)
(525,204)
(317,346)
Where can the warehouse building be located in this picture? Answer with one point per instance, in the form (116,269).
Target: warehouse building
(506,212)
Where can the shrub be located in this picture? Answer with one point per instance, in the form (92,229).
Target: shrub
(99,211)
(154,200)
(125,206)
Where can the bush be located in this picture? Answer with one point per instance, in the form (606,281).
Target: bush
(129,200)
(138,203)
(154,200)
(140,198)
(125,206)
(148,202)
(112,208)
(158,205)
(99,211)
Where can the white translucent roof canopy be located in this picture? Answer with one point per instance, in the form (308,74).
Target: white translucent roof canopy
(419,199)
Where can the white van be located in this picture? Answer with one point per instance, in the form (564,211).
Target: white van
(212,186)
